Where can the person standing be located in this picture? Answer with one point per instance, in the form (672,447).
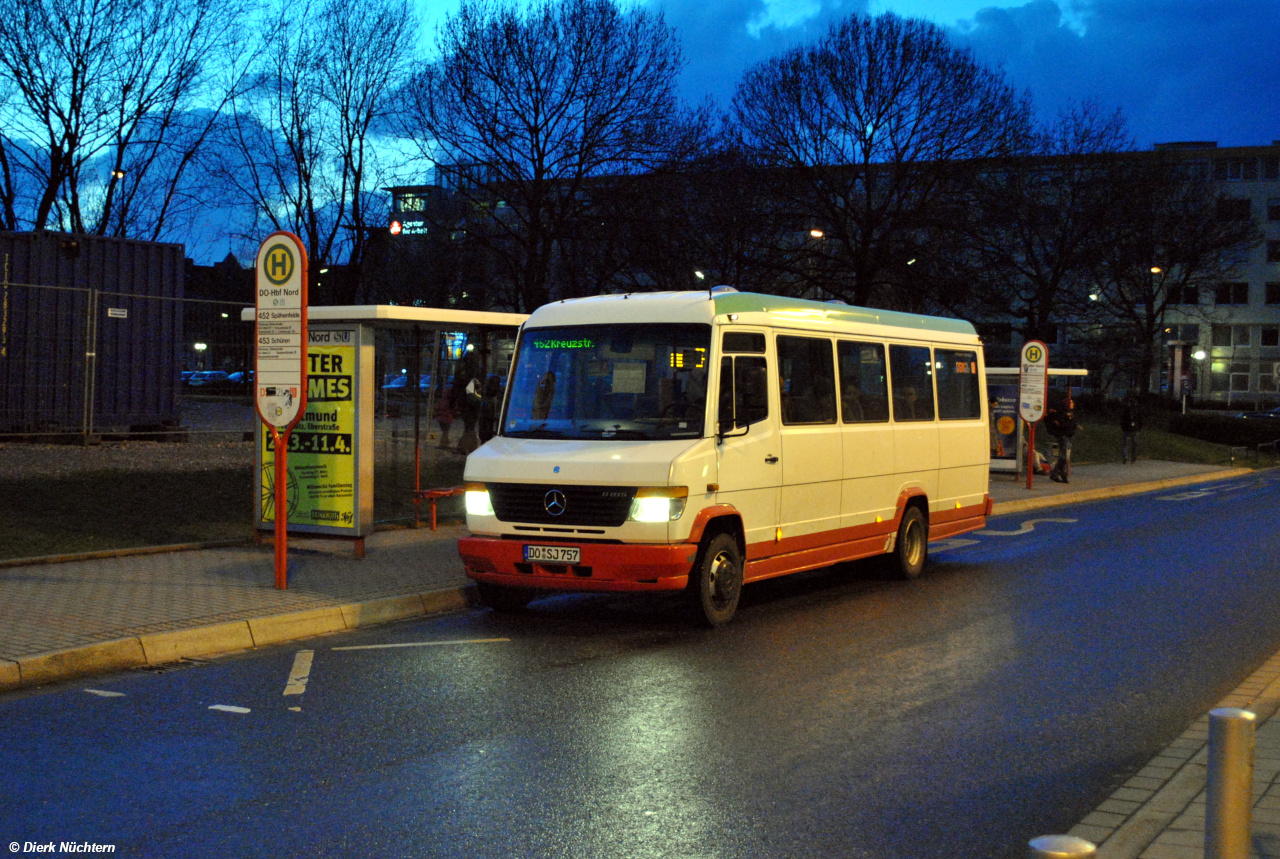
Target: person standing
(1130,424)
(1061,423)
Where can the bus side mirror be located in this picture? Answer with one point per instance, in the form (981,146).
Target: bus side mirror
(725,429)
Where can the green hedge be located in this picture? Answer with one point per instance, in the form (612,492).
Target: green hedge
(1224,429)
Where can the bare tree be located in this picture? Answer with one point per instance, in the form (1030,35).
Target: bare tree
(1037,223)
(871,128)
(107,90)
(8,181)
(528,110)
(1168,242)
(299,146)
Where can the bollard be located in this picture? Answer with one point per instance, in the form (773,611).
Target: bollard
(1061,847)
(1229,794)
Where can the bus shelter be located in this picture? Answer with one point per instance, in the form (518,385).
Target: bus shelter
(367,363)
(1008,442)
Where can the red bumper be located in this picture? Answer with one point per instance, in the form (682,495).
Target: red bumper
(602,567)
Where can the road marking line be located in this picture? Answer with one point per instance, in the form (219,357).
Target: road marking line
(228,708)
(1190,495)
(1027,527)
(422,644)
(951,543)
(300,673)
(104,694)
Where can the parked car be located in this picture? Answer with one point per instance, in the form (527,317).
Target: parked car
(206,377)
(1273,414)
(399,383)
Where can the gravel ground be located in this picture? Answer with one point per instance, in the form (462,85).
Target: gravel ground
(215,431)
(214,440)
(18,460)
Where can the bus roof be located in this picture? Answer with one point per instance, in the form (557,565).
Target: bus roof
(800,308)
(703,305)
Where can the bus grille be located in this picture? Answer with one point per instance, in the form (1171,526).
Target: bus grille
(599,506)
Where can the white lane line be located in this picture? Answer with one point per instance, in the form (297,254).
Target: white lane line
(228,708)
(1027,527)
(951,543)
(300,673)
(422,644)
(101,693)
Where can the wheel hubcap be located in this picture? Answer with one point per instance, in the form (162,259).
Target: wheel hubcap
(914,548)
(722,579)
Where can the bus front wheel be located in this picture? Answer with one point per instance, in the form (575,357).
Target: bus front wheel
(716,583)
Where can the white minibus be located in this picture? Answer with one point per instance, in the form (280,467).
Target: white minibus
(699,441)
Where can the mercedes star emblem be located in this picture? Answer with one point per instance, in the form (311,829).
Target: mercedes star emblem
(555,502)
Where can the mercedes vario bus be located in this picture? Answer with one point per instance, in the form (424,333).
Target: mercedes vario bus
(699,441)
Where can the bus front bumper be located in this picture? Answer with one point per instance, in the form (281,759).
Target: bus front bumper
(601,567)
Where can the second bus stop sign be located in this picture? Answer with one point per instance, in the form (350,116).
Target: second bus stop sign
(1033,381)
(281,330)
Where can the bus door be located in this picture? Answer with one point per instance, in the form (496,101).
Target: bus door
(812,444)
(748,451)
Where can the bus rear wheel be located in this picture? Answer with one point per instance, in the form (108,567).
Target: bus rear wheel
(715,584)
(911,549)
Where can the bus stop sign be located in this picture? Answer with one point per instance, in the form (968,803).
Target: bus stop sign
(280,330)
(1033,381)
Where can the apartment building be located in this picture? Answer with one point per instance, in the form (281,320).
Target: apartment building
(1223,345)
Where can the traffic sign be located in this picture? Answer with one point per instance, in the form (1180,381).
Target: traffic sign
(280,330)
(1033,385)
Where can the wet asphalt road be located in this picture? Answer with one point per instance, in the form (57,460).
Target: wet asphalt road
(842,714)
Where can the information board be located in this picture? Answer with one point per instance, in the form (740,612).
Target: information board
(330,451)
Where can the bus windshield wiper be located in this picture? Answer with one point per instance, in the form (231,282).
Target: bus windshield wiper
(615,431)
(540,431)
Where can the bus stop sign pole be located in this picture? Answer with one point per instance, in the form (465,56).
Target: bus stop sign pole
(280,364)
(1033,388)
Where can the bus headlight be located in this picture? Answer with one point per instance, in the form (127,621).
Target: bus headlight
(477,500)
(658,503)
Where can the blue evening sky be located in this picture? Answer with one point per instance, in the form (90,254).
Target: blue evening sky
(1178,69)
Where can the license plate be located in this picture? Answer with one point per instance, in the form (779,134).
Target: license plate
(553,554)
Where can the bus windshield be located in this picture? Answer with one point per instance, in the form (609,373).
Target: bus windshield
(609,381)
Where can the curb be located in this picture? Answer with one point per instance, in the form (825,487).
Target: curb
(104,554)
(1158,798)
(162,647)
(1002,507)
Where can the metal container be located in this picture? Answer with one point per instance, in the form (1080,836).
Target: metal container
(90,333)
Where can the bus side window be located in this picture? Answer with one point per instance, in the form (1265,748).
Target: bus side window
(807,378)
(744,397)
(958,395)
(864,389)
(912,370)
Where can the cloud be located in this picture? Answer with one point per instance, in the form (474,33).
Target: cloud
(723,38)
(1179,69)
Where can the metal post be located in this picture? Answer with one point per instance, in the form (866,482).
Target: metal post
(1229,795)
(1060,847)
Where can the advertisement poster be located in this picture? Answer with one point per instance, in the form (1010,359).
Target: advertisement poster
(1004,426)
(324,470)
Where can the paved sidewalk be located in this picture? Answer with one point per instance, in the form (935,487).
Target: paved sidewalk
(63,619)
(84,616)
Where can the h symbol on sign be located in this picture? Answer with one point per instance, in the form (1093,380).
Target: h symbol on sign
(278,264)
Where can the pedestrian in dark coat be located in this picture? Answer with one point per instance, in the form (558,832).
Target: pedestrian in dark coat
(1130,424)
(1060,420)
